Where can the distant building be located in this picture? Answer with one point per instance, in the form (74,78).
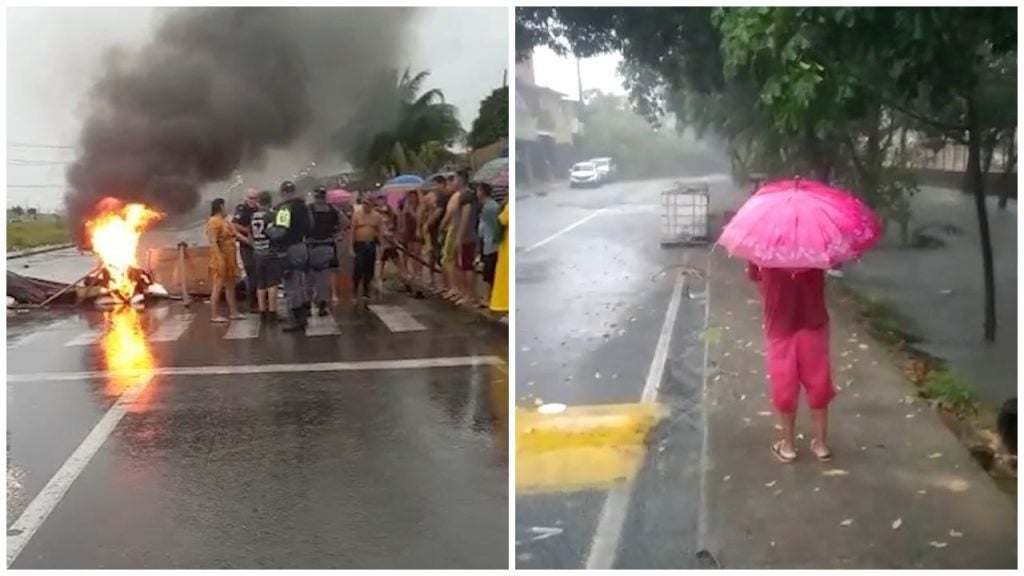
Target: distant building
(546,126)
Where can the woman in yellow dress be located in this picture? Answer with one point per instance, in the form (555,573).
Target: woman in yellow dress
(499,294)
(223,270)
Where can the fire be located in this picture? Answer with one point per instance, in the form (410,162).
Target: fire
(126,353)
(114,236)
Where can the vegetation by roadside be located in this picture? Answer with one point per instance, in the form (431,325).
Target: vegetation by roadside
(33,231)
(971,420)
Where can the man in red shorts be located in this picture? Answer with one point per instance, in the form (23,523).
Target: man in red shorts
(797,352)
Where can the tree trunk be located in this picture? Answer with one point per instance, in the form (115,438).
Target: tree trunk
(977,186)
(1010,163)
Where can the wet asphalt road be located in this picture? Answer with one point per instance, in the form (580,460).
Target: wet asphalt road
(593,286)
(401,463)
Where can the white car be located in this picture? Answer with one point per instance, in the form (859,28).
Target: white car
(605,168)
(584,174)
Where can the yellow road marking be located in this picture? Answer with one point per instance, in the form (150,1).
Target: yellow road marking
(583,447)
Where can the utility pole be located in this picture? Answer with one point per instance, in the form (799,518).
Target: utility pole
(579,81)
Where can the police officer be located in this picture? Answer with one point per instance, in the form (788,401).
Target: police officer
(292,218)
(322,242)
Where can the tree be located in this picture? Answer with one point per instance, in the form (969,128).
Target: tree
(395,121)
(819,89)
(491,124)
(18,211)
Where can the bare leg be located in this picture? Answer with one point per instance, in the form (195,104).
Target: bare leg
(215,290)
(229,294)
(819,421)
(261,300)
(272,299)
(788,423)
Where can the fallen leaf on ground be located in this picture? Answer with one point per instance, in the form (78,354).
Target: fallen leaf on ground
(726,478)
(597,375)
(817,489)
(935,455)
(764,413)
(897,523)
(743,396)
(922,491)
(909,416)
(955,534)
(863,346)
(779,491)
(835,472)
(770,484)
(746,420)
(844,354)
(614,376)
(935,544)
(846,522)
(525,349)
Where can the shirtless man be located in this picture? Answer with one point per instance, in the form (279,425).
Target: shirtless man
(367,226)
(450,227)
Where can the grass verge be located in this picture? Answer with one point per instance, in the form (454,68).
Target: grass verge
(973,422)
(46,230)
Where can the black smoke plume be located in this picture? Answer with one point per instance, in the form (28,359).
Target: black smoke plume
(215,90)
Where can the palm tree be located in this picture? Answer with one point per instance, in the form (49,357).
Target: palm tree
(397,129)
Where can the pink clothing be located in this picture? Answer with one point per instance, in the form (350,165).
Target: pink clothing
(800,357)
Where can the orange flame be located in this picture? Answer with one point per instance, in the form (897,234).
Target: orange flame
(126,353)
(114,236)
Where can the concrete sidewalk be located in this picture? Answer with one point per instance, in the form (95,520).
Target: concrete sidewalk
(901,491)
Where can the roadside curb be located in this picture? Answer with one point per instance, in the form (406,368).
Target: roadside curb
(496,319)
(41,250)
(595,447)
(593,425)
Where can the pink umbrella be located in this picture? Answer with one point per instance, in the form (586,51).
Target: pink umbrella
(339,196)
(801,224)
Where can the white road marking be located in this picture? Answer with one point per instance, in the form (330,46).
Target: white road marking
(26,338)
(39,509)
(245,329)
(605,545)
(397,319)
(19,533)
(234,369)
(171,330)
(568,228)
(85,338)
(322,326)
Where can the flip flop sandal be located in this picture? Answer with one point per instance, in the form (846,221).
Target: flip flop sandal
(826,457)
(777,452)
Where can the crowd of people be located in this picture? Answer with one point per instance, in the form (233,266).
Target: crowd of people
(438,238)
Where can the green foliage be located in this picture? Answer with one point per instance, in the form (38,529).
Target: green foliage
(491,124)
(949,390)
(396,120)
(46,230)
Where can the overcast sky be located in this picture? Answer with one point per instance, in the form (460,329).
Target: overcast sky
(559,73)
(54,56)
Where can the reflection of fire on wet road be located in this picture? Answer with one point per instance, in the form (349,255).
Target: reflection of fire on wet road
(125,352)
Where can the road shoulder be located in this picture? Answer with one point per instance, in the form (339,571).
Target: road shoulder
(902,492)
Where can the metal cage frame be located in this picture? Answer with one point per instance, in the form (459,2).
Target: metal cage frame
(686,215)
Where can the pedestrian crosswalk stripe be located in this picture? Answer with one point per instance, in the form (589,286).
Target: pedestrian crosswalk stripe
(322,326)
(244,329)
(397,319)
(85,338)
(171,330)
